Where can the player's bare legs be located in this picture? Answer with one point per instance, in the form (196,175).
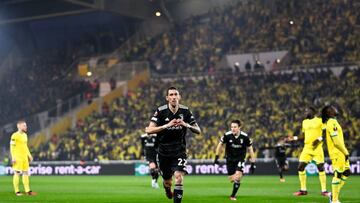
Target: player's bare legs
(167,186)
(236,178)
(178,189)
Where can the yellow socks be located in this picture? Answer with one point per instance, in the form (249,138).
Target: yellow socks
(25,180)
(342,182)
(16,179)
(322,178)
(335,189)
(302,178)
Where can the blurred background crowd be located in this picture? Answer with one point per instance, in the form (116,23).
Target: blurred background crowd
(271,104)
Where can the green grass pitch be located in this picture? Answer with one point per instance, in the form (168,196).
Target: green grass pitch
(202,189)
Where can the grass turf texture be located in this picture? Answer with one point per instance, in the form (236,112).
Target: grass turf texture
(126,189)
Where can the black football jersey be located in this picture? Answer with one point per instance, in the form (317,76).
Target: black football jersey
(171,141)
(235,147)
(148,143)
(280,150)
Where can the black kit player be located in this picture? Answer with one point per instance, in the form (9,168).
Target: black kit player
(149,145)
(236,144)
(280,156)
(170,122)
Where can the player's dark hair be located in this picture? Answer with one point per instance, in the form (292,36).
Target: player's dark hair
(170,88)
(325,113)
(238,122)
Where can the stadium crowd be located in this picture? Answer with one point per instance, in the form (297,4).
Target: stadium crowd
(320,33)
(270,105)
(314,32)
(37,84)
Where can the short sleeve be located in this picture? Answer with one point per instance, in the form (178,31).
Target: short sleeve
(248,141)
(224,139)
(191,118)
(155,117)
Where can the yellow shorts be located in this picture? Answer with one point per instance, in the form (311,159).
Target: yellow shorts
(339,164)
(21,165)
(312,155)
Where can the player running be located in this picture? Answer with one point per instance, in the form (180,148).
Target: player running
(170,122)
(338,153)
(20,158)
(280,156)
(312,128)
(236,144)
(148,143)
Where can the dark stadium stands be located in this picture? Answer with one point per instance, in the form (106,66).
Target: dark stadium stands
(321,32)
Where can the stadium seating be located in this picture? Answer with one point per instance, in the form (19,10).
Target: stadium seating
(38,87)
(270,105)
(314,32)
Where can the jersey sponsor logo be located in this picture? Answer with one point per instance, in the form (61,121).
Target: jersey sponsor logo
(175,128)
(149,144)
(181,116)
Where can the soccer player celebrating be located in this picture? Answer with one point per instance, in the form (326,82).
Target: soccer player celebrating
(236,143)
(20,158)
(148,143)
(312,127)
(170,122)
(338,153)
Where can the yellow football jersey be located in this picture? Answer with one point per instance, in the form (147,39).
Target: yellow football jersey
(334,135)
(312,129)
(18,146)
